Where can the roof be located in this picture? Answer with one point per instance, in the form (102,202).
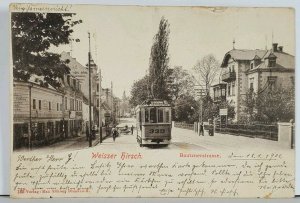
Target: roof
(220,84)
(242,54)
(283,59)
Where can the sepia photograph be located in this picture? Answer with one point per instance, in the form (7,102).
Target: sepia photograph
(130,82)
(169,79)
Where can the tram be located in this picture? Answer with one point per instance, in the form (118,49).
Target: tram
(153,123)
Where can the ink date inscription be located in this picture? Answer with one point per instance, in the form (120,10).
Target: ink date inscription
(234,175)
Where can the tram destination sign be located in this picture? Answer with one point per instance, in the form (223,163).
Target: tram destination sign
(157,103)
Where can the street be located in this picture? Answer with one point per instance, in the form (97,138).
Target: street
(182,139)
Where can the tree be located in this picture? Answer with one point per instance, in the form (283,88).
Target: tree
(32,36)
(181,84)
(211,110)
(277,104)
(159,62)
(206,69)
(139,91)
(186,109)
(271,105)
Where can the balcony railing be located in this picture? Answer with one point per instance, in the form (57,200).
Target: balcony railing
(229,76)
(219,98)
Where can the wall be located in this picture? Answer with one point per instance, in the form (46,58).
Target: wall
(286,135)
(45,95)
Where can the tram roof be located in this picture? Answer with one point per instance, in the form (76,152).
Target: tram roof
(154,102)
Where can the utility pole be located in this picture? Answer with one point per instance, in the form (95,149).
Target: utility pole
(90,94)
(100,118)
(200,91)
(112,103)
(30,119)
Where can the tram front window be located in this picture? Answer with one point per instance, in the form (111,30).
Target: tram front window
(160,115)
(153,115)
(167,116)
(146,115)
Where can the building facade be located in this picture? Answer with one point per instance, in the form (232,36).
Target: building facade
(43,115)
(255,70)
(82,74)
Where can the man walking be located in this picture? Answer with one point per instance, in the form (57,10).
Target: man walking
(132,130)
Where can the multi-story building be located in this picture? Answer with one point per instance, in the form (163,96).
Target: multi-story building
(72,106)
(43,114)
(82,74)
(255,70)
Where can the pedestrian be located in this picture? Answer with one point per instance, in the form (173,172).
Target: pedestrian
(201,129)
(114,133)
(132,130)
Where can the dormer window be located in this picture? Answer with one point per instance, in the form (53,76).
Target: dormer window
(272,60)
(251,65)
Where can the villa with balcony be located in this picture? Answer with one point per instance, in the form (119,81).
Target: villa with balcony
(244,69)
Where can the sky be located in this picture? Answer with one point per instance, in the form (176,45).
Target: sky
(122,36)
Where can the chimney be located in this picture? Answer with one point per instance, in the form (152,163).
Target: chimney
(274,45)
(280,48)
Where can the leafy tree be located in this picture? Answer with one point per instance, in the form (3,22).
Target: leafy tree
(32,36)
(139,91)
(271,105)
(159,62)
(277,104)
(206,69)
(181,83)
(186,109)
(211,110)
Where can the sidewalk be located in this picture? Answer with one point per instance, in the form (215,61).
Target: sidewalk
(225,141)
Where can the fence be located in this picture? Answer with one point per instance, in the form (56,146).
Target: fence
(269,132)
(184,125)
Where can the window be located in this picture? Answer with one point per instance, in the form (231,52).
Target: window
(33,104)
(229,87)
(167,114)
(251,84)
(272,62)
(160,113)
(57,107)
(251,66)
(98,87)
(139,116)
(146,115)
(233,88)
(153,115)
(40,105)
(74,83)
(49,105)
(97,102)
(66,103)
(223,92)
(232,68)
(72,104)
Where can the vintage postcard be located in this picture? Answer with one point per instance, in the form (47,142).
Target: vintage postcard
(143,101)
